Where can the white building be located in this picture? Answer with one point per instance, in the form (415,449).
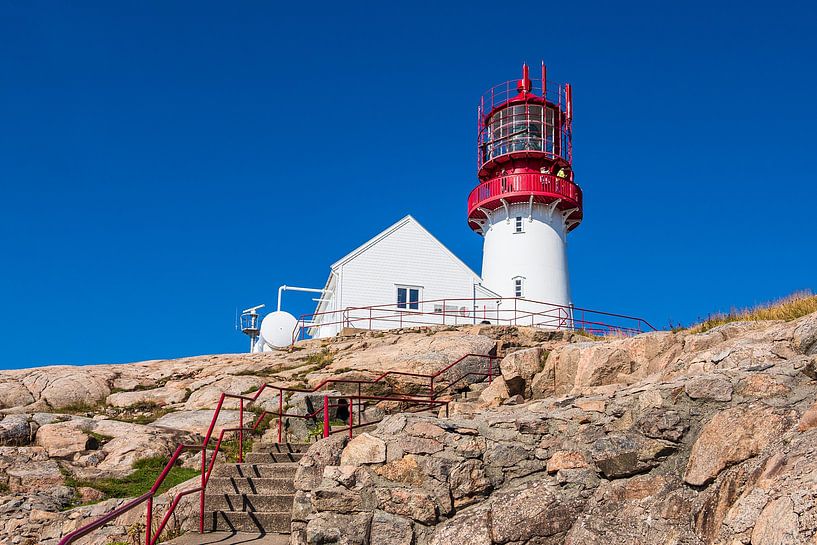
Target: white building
(402,276)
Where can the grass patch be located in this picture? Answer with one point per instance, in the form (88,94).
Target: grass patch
(100,438)
(590,335)
(78,409)
(315,362)
(230,447)
(138,482)
(4,488)
(142,413)
(320,359)
(316,431)
(788,308)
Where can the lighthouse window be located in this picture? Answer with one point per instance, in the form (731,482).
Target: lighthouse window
(518,225)
(518,287)
(408,297)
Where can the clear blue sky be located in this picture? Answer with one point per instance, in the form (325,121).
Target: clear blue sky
(163,163)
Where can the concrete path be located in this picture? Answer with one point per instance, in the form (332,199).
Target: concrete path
(227,538)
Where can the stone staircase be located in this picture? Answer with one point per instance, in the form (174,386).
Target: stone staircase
(255,496)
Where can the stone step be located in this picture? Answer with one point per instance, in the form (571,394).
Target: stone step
(257,457)
(281,469)
(247,521)
(250,485)
(281,447)
(229,538)
(277,503)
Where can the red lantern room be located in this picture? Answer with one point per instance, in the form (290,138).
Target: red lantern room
(524,149)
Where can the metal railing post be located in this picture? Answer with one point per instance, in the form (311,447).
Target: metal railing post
(203,482)
(325,417)
(149,521)
(351,415)
(490,369)
(280,413)
(431,391)
(241,432)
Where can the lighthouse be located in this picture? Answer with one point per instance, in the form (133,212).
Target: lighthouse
(526,201)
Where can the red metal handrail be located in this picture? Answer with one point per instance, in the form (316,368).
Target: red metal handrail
(520,187)
(152,537)
(513,312)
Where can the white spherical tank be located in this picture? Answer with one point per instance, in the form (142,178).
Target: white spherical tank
(278,329)
(524,253)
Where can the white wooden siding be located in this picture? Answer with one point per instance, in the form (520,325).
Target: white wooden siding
(406,256)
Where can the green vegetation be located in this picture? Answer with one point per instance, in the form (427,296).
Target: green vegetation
(230,447)
(320,359)
(138,482)
(99,438)
(315,362)
(81,408)
(316,431)
(585,333)
(143,413)
(788,308)
(4,487)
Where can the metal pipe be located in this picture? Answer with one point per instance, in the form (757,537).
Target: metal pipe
(149,521)
(280,413)
(351,416)
(284,288)
(325,417)
(241,432)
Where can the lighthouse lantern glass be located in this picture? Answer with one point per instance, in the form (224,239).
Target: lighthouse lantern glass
(521,127)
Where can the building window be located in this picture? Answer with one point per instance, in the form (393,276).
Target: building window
(518,287)
(518,225)
(408,297)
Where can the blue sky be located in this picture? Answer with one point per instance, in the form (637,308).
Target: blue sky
(162,163)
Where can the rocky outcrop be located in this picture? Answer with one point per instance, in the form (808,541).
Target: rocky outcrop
(668,437)
(663,438)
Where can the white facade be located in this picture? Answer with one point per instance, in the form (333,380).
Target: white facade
(524,253)
(404,271)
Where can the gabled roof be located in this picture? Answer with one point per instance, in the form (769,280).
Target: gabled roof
(409,219)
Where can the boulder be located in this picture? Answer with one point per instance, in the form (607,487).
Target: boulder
(777,524)
(17,430)
(809,419)
(390,529)
(364,449)
(405,470)
(805,335)
(662,424)
(495,393)
(519,368)
(14,395)
(198,421)
(566,459)
(535,510)
(65,439)
(731,436)
(711,387)
(412,503)
(323,453)
(468,479)
(471,527)
(35,476)
(761,385)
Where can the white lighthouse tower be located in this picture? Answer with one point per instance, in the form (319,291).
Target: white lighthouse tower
(526,201)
